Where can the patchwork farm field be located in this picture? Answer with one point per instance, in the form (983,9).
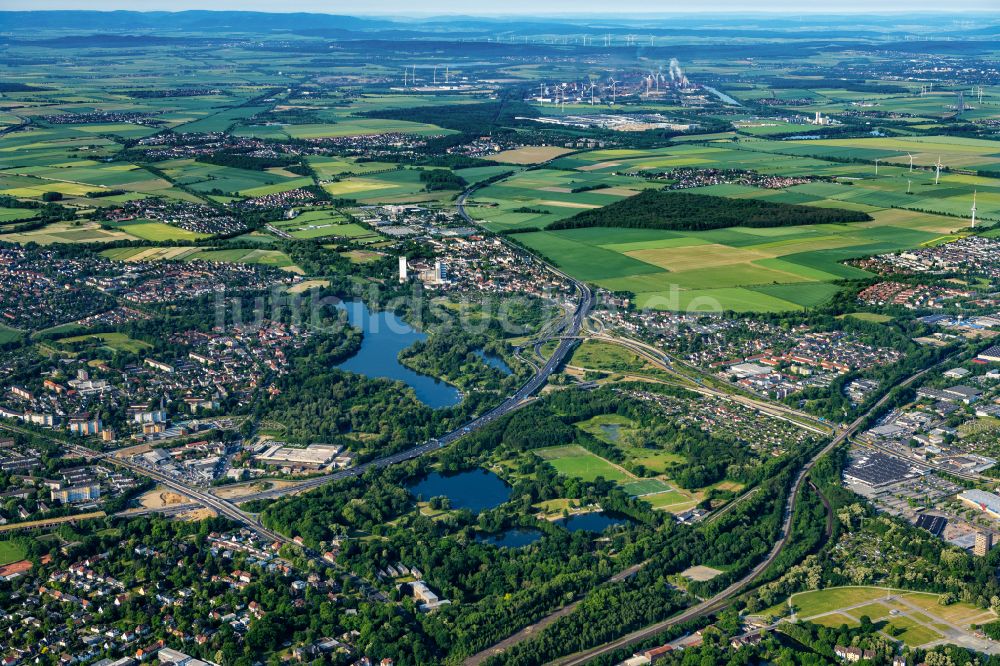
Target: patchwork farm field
(347,127)
(68,232)
(390,187)
(273,258)
(740,269)
(324,224)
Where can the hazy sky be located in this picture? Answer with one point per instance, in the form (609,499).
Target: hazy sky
(521,7)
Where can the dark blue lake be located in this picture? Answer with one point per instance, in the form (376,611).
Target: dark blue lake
(385,335)
(494,361)
(475,490)
(598,521)
(515,537)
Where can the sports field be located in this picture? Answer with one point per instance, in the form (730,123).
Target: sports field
(10,552)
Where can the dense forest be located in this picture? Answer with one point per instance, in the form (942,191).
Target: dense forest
(683,211)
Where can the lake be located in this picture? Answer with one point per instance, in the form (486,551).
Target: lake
(385,335)
(597,521)
(475,490)
(494,361)
(515,537)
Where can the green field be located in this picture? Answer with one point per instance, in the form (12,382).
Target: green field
(576,461)
(8,334)
(594,355)
(158,231)
(113,341)
(911,617)
(579,462)
(10,552)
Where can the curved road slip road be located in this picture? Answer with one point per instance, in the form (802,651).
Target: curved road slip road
(723,598)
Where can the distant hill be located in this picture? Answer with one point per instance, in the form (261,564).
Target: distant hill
(683,211)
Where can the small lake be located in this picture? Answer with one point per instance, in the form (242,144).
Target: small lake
(597,521)
(385,335)
(613,431)
(475,490)
(515,537)
(494,361)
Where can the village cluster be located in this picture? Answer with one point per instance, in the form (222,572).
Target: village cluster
(687,177)
(972,255)
(197,218)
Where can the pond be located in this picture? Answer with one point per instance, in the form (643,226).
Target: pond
(475,490)
(613,431)
(494,361)
(515,537)
(385,335)
(596,521)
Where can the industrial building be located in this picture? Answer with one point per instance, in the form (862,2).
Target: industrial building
(984,501)
(314,456)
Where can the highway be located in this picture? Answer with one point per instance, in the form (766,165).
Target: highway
(722,599)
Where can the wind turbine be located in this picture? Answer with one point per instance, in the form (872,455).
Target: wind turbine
(911,161)
(435,74)
(973,209)
(876,167)
(937,172)
(614,93)
(908,184)
(592,86)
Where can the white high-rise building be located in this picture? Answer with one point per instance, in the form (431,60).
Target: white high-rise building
(402,269)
